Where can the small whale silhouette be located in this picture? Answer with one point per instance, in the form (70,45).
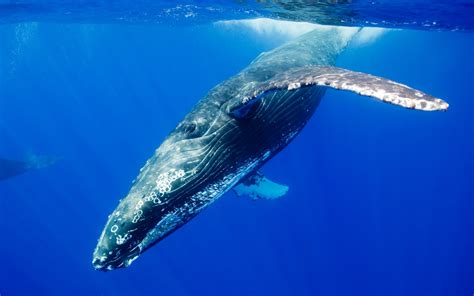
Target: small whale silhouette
(11,168)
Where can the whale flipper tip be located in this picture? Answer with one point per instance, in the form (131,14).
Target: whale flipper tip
(257,186)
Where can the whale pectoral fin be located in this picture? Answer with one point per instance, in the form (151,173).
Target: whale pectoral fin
(363,84)
(257,186)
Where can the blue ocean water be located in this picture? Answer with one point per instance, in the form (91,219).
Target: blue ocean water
(419,14)
(380,200)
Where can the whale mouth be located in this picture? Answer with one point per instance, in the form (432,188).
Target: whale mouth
(105,263)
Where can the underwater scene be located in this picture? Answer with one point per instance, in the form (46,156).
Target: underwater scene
(237,147)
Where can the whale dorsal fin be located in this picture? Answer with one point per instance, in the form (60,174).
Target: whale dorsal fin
(363,84)
(257,186)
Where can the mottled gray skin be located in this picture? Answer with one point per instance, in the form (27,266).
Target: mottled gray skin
(210,151)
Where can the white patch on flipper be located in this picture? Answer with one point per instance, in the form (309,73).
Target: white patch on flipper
(257,186)
(364,84)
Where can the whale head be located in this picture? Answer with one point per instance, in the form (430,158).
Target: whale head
(190,169)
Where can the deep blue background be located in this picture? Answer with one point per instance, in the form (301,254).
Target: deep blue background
(380,201)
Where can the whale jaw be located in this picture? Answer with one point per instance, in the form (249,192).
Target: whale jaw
(106,261)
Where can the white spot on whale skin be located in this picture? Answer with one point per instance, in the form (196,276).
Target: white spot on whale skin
(165,181)
(130,260)
(266,155)
(102,259)
(120,240)
(294,85)
(196,203)
(114,229)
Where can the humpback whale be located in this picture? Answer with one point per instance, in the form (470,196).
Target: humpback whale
(11,168)
(230,133)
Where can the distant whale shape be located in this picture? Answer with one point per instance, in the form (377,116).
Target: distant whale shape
(240,124)
(11,168)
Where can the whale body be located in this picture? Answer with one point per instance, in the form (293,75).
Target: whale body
(238,126)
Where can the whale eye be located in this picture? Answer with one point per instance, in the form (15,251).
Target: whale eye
(190,127)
